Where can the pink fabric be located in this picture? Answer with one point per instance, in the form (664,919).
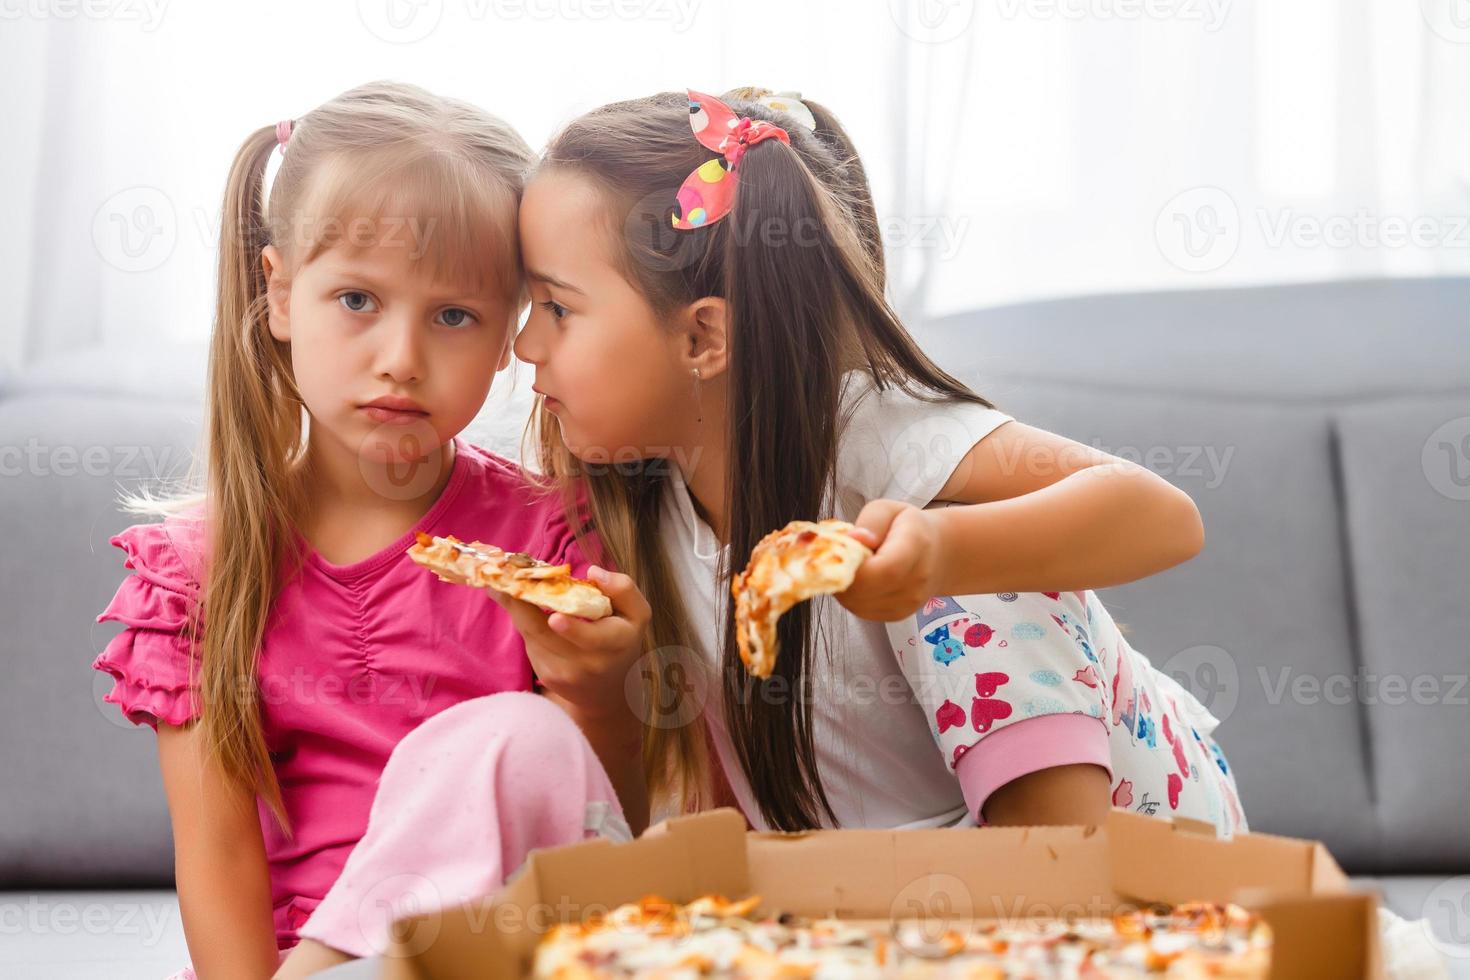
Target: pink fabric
(464,798)
(187,973)
(354,658)
(1028,746)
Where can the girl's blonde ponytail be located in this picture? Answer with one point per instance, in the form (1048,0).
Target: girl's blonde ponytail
(253,440)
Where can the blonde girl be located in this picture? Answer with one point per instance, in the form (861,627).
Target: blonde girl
(275,635)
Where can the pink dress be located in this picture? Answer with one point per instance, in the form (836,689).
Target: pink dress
(354,658)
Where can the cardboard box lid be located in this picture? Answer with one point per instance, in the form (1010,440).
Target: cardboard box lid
(1322,927)
(1000,872)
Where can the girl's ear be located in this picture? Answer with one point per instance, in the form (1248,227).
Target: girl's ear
(277,293)
(705,337)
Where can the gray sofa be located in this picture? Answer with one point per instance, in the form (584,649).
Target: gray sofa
(1324,431)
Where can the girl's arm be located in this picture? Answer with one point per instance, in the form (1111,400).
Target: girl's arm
(1075,795)
(308,957)
(1050,513)
(1038,512)
(219,861)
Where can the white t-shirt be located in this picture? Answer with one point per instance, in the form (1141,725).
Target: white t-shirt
(875,750)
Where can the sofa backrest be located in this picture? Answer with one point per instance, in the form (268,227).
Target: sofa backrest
(1323,430)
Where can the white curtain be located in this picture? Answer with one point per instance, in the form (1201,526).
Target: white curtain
(1018,148)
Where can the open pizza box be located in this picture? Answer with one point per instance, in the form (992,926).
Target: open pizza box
(948,878)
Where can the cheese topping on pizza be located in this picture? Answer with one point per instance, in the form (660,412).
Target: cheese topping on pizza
(714,937)
(801,560)
(512,573)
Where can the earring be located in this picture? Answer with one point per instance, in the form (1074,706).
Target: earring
(698,401)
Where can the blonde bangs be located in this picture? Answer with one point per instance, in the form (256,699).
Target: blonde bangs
(450,213)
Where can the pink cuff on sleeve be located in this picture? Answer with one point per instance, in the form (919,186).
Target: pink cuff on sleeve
(1028,746)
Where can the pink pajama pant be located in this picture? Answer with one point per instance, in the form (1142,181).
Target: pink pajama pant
(464,798)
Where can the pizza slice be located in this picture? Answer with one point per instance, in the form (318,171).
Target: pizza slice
(512,573)
(802,560)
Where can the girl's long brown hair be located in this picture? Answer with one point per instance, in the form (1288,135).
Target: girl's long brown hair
(386,165)
(850,174)
(799,264)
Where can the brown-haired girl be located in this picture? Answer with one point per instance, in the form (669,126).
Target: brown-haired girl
(276,636)
(715,358)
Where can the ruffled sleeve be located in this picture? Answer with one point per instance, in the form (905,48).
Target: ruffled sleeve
(150,659)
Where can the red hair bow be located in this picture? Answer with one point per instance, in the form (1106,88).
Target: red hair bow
(708,193)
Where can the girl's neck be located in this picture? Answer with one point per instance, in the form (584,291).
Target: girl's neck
(701,462)
(360,506)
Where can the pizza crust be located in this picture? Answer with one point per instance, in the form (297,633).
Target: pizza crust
(802,560)
(513,573)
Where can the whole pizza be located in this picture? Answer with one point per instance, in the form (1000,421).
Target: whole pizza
(713,937)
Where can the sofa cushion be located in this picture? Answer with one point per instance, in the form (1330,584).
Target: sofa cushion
(83,800)
(1406,475)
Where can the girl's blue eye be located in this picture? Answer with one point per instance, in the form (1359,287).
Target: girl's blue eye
(357,302)
(556,310)
(456,317)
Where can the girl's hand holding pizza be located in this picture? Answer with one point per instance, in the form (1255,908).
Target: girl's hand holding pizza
(585,662)
(904,571)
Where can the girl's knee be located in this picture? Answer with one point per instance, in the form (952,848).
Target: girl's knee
(495,719)
(533,729)
(518,713)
